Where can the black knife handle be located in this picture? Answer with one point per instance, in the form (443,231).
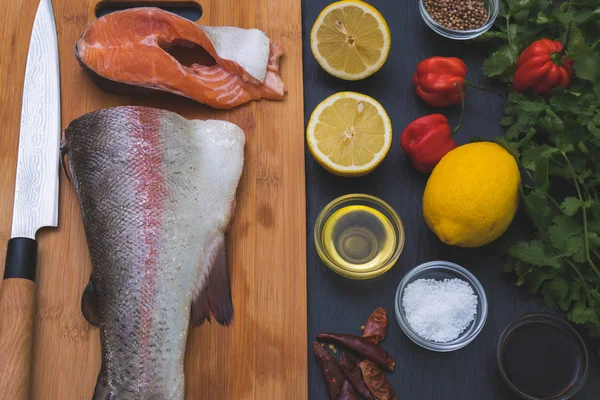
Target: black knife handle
(21,258)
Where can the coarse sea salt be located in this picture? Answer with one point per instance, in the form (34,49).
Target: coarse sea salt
(439,310)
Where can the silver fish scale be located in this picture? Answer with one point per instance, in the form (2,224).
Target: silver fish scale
(150,213)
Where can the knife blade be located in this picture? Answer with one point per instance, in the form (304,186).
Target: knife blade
(35,202)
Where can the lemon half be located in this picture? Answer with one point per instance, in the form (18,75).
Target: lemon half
(350,40)
(349,134)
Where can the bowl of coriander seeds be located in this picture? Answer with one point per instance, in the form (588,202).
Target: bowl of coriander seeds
(459,19)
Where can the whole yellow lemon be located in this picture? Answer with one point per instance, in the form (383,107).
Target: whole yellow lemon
(472,195)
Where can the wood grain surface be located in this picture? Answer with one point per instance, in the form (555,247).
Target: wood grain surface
(341,305)
(263,355)
(17,314)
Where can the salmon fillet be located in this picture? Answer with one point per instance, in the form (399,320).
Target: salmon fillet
(157,196)
(131,47)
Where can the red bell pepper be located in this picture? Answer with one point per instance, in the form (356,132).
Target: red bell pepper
(428,139)
(439,81)
(542,67)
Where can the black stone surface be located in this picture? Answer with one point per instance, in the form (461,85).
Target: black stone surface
(342,305)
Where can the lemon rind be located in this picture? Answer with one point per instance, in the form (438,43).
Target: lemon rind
(324,160)
(341,74)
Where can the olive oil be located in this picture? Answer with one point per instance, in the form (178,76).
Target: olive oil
(359,238)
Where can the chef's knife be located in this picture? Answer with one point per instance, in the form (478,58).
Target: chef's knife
(35,203)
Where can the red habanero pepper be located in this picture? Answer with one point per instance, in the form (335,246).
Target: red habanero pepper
(440,80)
(428,139)
(542,67)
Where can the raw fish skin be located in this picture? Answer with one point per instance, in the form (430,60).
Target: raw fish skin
(130,47)
(156,193)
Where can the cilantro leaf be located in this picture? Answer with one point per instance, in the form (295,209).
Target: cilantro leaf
(551,123)
(532,155)
(581,313)
(556,291)
(587,316)
(540,176)
(566,235)
(566,102)
(570,206)
(510,147)
(535,252)
(497,64)
(585,65)
(538,207)
(490,35)
(508,267)
(535,280)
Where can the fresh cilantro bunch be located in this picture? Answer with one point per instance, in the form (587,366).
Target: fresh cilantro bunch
(556,141)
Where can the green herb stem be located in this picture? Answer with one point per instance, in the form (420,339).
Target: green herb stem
(548,196)
(584,212)
(468,83)
(510,45)
(583,282)
(462,108)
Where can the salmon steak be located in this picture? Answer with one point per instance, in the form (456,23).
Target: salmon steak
(132,47)
(157,195)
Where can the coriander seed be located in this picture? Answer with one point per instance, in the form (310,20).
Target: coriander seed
(462,15)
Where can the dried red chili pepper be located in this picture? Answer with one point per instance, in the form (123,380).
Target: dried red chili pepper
(331,370)
(347,392)
(542,66)
(376,381)
(362,346)
(376,326)
(350,367)
(439,80)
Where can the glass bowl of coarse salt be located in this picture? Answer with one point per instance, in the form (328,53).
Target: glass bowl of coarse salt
(459,20)
(441,306)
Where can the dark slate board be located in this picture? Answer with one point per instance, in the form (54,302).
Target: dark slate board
(342,305)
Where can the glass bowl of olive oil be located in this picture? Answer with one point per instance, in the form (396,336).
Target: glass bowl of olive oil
(359,236)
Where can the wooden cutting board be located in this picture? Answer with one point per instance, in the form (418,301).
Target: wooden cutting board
(263,354)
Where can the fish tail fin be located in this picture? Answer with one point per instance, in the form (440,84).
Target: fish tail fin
(64,149)
(102,390)
(90,307)
(214,296)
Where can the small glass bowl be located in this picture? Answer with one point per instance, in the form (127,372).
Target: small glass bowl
(440,270)
(493,6)
(549,319)
(364,200)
